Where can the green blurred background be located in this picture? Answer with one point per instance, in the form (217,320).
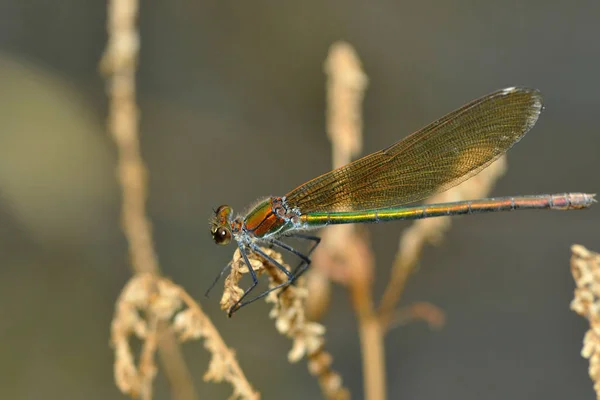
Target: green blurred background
(232,109)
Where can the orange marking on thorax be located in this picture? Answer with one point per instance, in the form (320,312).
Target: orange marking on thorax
(262,220)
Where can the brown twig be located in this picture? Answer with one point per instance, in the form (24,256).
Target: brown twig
(345,252)
(290,319)
(119,64)
(585,267)
(419,311)
(431,230)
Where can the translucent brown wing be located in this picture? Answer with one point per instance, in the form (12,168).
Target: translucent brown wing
(431,160)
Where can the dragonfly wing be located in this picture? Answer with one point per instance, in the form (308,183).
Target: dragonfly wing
(431,160)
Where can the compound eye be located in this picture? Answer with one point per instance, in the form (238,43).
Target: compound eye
(222,235)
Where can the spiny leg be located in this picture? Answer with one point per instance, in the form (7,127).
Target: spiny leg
(303,265)
(225,268)
(317,240)
(291,276)
(287,247)
(272,260)
(260,296)
(239,304)
(300,268)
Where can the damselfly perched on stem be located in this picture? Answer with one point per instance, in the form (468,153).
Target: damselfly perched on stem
(378,187)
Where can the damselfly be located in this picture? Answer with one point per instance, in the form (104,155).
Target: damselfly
(378,187)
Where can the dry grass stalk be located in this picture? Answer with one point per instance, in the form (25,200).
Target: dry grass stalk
(147,291)
(119,64)
(431,230)
(147,301)
(290,318)
(346,84)
(585,267)
(345,254)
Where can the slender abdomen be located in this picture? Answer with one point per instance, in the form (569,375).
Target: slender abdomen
(565,201)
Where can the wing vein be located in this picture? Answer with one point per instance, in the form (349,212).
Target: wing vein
(431,160)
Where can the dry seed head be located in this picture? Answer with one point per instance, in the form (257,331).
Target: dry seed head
(290,318)
(585,268)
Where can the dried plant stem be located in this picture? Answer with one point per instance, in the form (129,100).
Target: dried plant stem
(148,301)
(585,267)
(371,334)
(344,245)
(420,310)
(346,85)
(147,367)
(119,65)
(290,319)
(171,356)
(226,367)
(373,357)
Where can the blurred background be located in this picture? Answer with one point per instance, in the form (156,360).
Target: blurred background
(232,99)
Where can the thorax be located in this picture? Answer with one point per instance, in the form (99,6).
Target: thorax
(269,217)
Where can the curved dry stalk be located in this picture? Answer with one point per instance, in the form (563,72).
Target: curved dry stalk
(119,64)
(431,230)
(148,301)
(158,297)
(290,318)
(585,267)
